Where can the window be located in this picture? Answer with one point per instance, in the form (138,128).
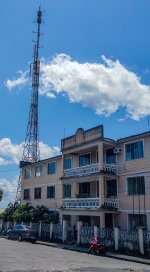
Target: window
(51,192)
(37,193)
(137,220)
(84,189)
(51,167)
(67,190)
(27,173)
(39,171)
(136,186)
(134,150)
(26,195)
(111,188)
(84,160)
(68,163)
(110,156)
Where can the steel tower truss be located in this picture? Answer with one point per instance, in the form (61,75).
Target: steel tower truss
(31,151)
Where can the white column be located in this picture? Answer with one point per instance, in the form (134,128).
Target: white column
(102,220)
(101,191)
(100,153)
(31,225)
(79,225)
(116,234)
(7,224)
(64,230)
(51,230)
(61,218)
(1,224)
(40,229)
(95,231)
(62,166)
(141,240)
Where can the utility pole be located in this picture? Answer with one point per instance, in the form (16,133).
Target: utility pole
(31,151)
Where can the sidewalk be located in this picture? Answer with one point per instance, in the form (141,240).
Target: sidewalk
(115,255)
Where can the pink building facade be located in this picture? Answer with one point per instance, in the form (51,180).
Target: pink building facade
(96,180)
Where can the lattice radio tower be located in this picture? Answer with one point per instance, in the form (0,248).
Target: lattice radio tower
(31,151)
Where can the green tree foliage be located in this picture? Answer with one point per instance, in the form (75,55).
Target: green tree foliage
(27,213)
(7,215)
(39,212)
(1,194)
(23,213)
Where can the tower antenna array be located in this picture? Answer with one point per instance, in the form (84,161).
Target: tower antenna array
(31,151)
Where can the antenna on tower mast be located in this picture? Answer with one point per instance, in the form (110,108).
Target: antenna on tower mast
(31,151)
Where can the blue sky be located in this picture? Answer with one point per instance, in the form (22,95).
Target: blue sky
(95,70)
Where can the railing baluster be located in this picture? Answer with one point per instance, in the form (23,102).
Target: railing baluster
(89,169)
(81,203)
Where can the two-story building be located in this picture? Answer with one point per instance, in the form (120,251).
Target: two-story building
(41,184)
(96,180)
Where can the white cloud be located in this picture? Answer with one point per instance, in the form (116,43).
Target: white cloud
(9,191)
(11,153)
(103,87)
(47,151)
(20,81)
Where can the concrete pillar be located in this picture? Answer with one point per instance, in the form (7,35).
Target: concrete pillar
(102,220)
(51,230)
(7,224)
(100,152)
(14,223)
(40,229)
(61,218)
(74,190)
(79,225)
(95,231)
(116,234)
(64,230)
(141,240)
(1,224)
(101,191)
(31,225)
(62,164)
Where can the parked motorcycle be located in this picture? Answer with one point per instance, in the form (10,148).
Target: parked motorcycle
(97,247)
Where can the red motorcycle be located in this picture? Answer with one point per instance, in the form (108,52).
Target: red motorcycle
(96,247)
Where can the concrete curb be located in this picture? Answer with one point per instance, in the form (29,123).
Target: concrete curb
(109,254)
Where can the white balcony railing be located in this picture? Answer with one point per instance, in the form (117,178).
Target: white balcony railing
(81,203)
(111,203)
(90,169)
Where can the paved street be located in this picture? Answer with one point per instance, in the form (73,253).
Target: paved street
(26,257)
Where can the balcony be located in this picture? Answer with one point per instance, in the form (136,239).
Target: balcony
(90,169)
(80,203)
(111,203)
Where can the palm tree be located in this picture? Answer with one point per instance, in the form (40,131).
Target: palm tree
(1,194)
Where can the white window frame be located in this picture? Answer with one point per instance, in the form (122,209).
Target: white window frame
(67,157)
(55,168)
(134,176)
(41,173)
(139,140)
(136,213)
(28,168)
(82,155)
(114,154)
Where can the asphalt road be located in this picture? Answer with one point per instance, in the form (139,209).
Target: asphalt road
(26,257)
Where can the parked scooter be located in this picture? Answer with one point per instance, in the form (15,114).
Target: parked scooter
(97,247)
